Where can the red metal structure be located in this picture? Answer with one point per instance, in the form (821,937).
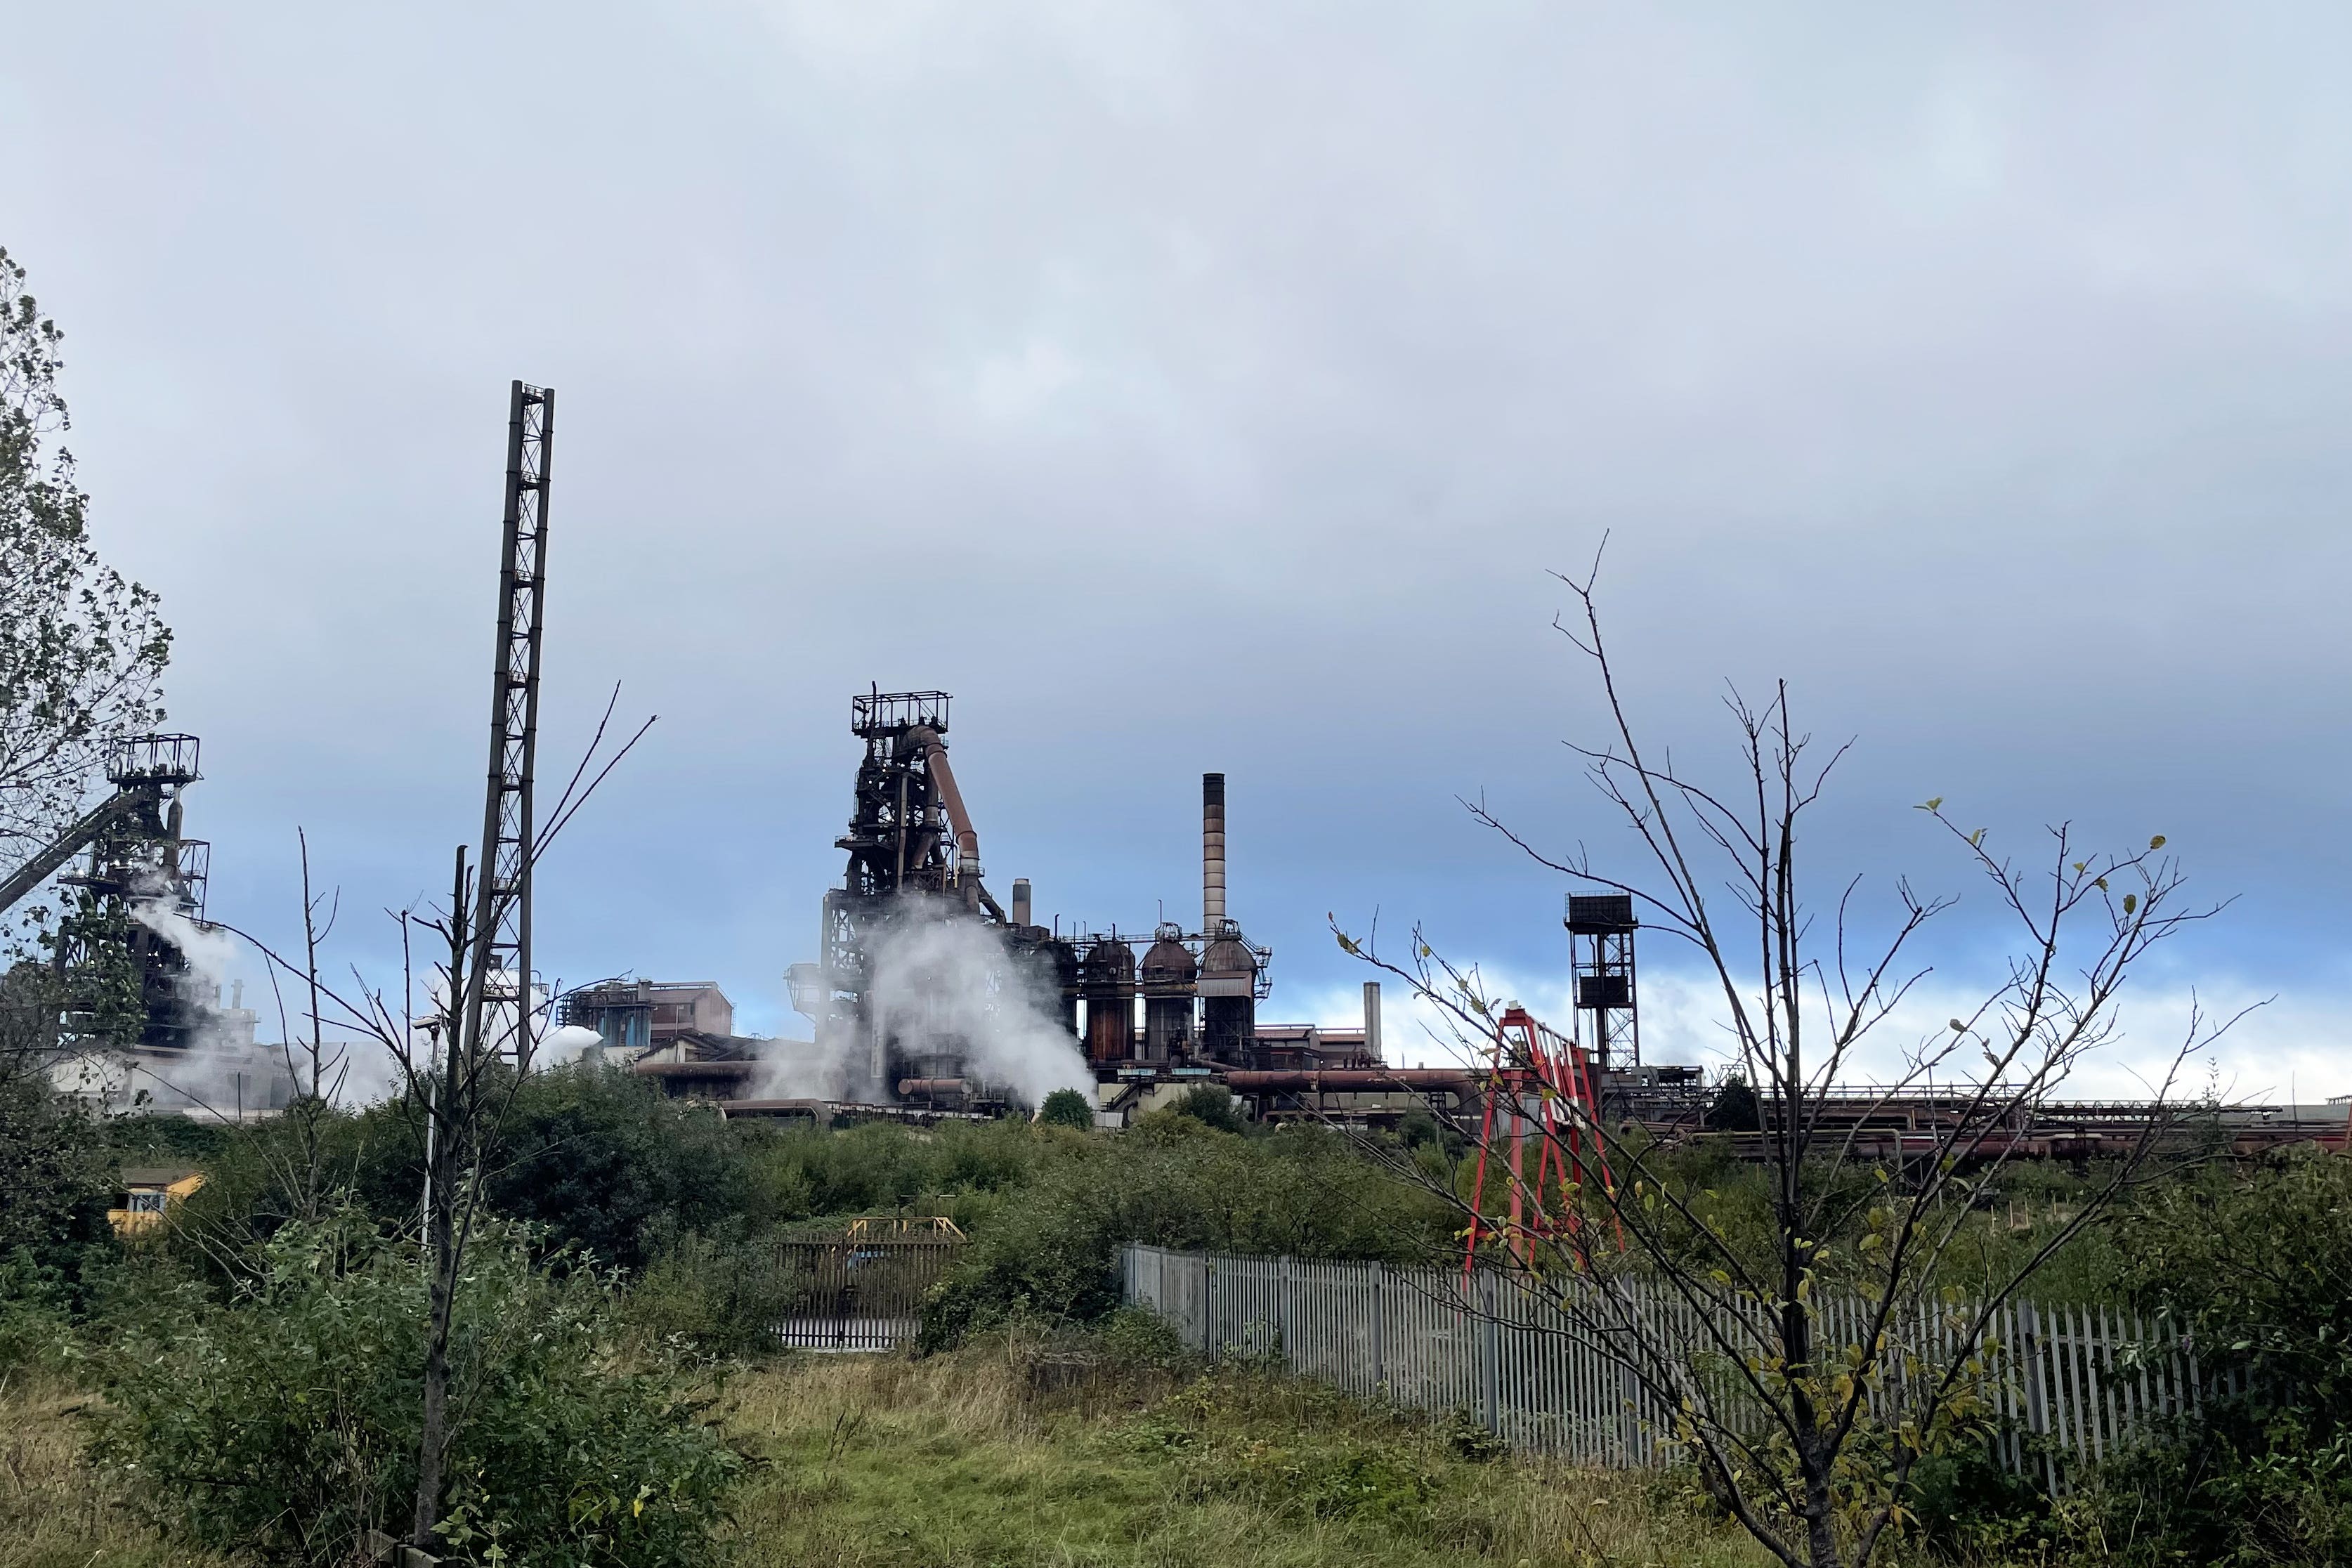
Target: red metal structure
(1543,1085)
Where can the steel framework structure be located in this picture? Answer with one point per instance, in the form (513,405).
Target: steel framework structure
(1601,928)
(499,970)
(908,835)
(137,857)
(1541,1084)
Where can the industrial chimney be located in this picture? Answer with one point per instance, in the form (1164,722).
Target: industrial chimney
(1212,853)
(1372,1020)
(1019,901)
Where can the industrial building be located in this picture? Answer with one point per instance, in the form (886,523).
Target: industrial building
(118,1010)
(1152,1011)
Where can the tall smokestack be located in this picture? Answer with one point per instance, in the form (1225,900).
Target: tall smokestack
(1213,852)
(1021,901)
(1372,1019)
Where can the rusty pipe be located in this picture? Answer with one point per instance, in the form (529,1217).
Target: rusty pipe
(929,1088)
(1350,1080)
(967,839)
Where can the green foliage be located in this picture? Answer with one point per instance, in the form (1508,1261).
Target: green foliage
(55,1180)
(605,1163)
(1210,1104)
(1051,1248)
(1067,1108)
(285,1423)
(1966,1503)
(2243,1482)
(1735,1107)
(718,1294)
(81,647)
(962,1170)
(2256,1264)
(35,1323)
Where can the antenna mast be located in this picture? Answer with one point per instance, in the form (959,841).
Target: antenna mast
(500,966)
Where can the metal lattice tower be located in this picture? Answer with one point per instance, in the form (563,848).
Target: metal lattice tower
(1601,928)
(501,923)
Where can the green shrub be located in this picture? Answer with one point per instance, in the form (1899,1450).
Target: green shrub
(35,1329)
(1067,1108)
(1210,1104)
(959,1171)
(285,1424)
(720,1295)
(605,1164)
(1051,1248)
(56,1179)
(2256,1264)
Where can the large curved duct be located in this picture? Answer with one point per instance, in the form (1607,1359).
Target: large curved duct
(967,837)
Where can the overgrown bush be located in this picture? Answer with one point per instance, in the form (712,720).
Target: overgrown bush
(2256,1264)
(605,1163)
(36,1329)
(721,1294)
(1067,1108)
(1051,1248)
(55,1178)
(285,1423)
(961,1171)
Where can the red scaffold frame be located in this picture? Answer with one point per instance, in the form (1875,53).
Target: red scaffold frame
(1543,1084)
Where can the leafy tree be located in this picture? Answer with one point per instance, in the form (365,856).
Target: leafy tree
(1066,1107)
(82,649)
(55,1177)
(1734,1108)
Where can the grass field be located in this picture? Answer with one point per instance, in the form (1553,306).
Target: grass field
(1014,1453)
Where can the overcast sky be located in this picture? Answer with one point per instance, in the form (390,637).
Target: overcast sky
(1212,386)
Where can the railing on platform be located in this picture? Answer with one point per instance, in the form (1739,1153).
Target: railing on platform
(2066,1385)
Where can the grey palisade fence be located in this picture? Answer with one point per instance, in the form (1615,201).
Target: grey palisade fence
(2069,1383)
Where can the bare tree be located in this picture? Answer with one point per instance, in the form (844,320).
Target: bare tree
(1807,1423)
(459,1042)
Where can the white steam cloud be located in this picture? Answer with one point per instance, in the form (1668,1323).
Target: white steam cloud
(945,985)
(220,1072)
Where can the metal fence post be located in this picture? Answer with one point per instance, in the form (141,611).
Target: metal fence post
(1490,1369)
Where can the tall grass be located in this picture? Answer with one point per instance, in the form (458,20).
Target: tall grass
(1055,1451)
(55,1511)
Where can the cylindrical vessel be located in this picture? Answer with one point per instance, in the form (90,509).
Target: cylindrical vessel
(1212,853)
(1110,984)
(1064,960)
(1168,976)
(1228,1002)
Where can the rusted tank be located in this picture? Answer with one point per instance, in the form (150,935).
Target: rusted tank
(1169,977)
(1228,999)
(1109,983)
